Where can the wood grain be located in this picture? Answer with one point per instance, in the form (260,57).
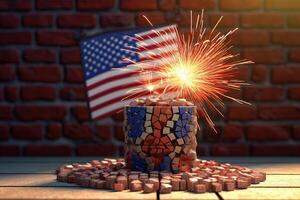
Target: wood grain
(34,178)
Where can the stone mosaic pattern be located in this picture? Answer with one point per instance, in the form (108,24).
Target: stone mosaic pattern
(160,137)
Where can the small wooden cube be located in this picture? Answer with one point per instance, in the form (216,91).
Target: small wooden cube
(200,188)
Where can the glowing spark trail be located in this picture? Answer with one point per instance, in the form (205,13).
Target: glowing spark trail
(202,69)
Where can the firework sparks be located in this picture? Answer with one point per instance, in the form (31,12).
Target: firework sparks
(202,69)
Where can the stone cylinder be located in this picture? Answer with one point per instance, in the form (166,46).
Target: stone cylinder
(160,138)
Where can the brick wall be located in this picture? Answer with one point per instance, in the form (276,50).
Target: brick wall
(43,110)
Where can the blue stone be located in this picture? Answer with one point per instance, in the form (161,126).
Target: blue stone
(185,115)
(138,164)
(182,110)
(178,128)
(178,134)
(179,123)
(165,165)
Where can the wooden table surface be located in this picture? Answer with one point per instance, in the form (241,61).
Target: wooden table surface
(34,178)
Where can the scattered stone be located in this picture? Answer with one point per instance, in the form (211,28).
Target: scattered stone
(148,188)
(203,176)
(165,188)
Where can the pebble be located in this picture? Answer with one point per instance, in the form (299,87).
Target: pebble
(165,188)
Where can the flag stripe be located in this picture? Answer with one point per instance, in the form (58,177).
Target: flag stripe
(156,40)
(108,90)
(119,87)
(155,45)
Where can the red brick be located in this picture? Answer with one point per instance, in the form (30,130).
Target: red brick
(104,132)
(209,135)
(118,116)
(52,38)
(282,5)
(265,56)
(247,112)
(239,5)
(116,20)
(54,4)
(32,93)
(267,133)
(276,150)
(279,112)
(293,21)
(155,19)
(76,21)
(9,21)
(296,132)
(259,73)
(121,151)
(167,4)
(6,112)
(294,93)
(21,37)
(40,112)
(9,56)
(286,38)
(74,74)
(54,131)
(11,93)
(73,93)
(27,132)
(250,38)
(262,20)
(7,73)
(197,5)
(294,55)
(230,150)
(136,5)
(96,150)
(263,93)
(200,151)
(228,20)
(10,150)
(242,73)
(48,150)
(286,74)
(95,4)
(78,131)
(38,20)
(4,130)
(81,113)
(119,133)
(39,55)
(23,5)
(45,73)
(1,94)
(233,132)
(70,56)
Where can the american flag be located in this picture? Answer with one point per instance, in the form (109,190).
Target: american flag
(108,78)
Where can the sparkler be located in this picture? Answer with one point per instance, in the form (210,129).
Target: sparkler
(202,69)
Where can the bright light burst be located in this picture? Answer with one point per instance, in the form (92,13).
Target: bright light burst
(202,70)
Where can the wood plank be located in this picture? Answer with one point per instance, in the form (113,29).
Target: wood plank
(270,168)
(49,180)
(68,193)
(188,195)
(280,181)
(33,168)
(275,168)
(263,193)
(38,180)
